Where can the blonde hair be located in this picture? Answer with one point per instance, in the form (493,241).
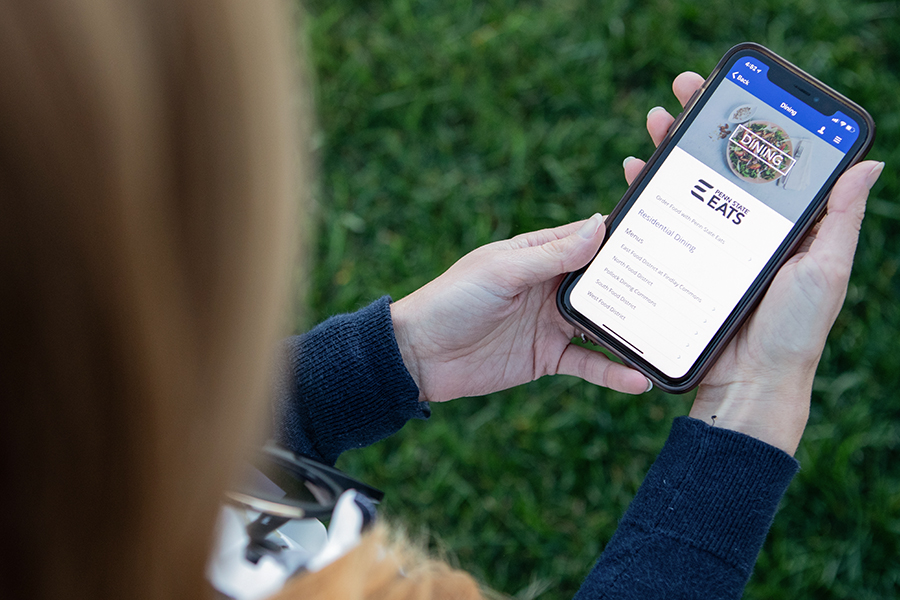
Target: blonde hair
(383,567)
(146,178)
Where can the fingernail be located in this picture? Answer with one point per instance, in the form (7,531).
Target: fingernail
(654,109)
(874,174)
(627,160)
(649,386)
(590,227)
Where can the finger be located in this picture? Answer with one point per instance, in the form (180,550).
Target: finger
(658,122)
(632,168)
(658,119)
(836,239)
(536,238)
(596,368)
(539,263)
(685,85)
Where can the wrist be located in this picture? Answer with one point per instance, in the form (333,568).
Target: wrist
(771,409)
(403,332)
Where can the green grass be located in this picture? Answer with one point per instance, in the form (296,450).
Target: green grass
(444,125)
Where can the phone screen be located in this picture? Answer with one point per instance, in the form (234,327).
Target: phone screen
(709,220)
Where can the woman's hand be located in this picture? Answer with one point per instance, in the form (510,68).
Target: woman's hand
(490,322)
(762,382)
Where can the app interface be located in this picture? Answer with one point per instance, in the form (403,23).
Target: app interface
(711,217)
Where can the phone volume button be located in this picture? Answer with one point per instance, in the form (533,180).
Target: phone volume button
(692,98)
(687,106)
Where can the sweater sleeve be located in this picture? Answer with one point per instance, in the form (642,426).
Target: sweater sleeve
(696,525)
(344,385)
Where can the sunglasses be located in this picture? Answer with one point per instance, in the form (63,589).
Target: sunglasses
(283,486)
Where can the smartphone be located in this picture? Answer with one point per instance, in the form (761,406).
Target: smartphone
(728,196)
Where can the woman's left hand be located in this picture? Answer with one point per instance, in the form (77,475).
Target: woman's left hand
(490,322)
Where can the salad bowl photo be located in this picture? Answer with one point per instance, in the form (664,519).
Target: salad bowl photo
(759,152)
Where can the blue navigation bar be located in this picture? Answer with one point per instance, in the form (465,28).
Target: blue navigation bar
(752,75)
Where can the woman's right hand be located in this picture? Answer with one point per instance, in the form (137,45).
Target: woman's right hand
(762,383)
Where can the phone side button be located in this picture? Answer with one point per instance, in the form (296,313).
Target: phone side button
(680,116)
(692,98)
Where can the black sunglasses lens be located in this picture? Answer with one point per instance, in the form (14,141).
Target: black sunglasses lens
(285,485)
(271,479)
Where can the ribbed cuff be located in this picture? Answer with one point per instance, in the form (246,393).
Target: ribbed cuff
(352,388)
(715,489)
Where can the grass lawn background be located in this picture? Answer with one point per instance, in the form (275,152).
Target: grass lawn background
(444,125)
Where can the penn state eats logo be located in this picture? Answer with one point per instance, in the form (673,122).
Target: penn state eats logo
(719,201)
(702,187)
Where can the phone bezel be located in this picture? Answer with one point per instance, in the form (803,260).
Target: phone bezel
(786,249)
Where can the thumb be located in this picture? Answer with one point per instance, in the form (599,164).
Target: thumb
(837,237)
(554,257)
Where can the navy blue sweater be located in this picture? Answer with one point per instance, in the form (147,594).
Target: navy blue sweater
(693,530)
